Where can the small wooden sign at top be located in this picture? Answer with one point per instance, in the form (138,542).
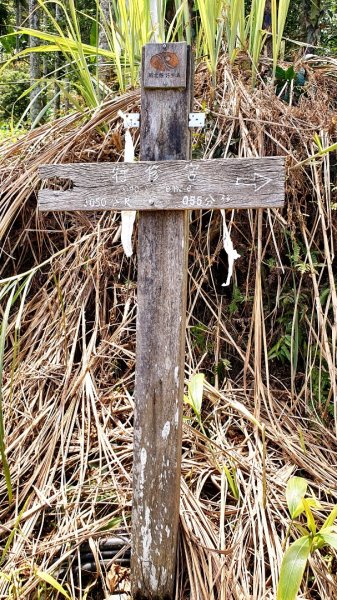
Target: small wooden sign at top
(165,65)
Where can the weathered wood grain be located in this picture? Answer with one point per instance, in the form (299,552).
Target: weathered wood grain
(160,355)
(165,65)
(177,184)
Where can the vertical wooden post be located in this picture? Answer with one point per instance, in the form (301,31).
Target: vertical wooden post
(160,352)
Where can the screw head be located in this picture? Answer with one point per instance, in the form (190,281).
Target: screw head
(164,45)
(151,202)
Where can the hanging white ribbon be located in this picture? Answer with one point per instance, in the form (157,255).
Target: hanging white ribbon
(228,246)
(128,216)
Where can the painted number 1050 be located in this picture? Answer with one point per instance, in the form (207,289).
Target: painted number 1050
(95,202)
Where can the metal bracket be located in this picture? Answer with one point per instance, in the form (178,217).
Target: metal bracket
(197,120)
(131,120)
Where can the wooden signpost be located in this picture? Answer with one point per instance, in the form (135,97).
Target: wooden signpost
(163,192)
(178,184)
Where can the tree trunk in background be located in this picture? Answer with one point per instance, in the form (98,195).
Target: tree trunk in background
(312,14)
(154,20)
(18,22)
(267,27)
(35,63)
(104,17)
(44,63)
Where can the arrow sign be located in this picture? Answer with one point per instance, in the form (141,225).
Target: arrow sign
(167,185)
(260,181)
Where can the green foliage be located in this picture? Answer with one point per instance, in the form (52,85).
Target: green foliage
(7,42)
(217,25)
(289,82)
(13,84)
(231,24)
(282,349)
(296,557)
(199,336)
(235,26)
(289,345)
(68,40)
(52,582)
(236,299)
(256,35)
(284,75)
(127,30)
(195,392)
(214,25)
(10,133)
(222,368)
(321,385)
(210,31)
(290,342)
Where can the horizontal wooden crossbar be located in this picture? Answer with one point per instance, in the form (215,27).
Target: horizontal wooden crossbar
(167,185)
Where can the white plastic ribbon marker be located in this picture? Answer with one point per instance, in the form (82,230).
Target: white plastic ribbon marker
(228,246)
(128,216)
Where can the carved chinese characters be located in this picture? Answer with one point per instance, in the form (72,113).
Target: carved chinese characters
(167,185)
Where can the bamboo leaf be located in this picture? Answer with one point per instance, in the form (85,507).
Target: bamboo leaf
(292,568)
(295,492)
(195,392)
(52,581)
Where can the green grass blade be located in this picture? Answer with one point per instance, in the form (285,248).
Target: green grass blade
(4,325)
(13,532)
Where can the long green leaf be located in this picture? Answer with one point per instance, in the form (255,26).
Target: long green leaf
(61,43)
(278,29)
(210,32)
(4,325)
(292,568)
(52,581)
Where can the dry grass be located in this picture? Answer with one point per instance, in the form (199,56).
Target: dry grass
(69,375)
